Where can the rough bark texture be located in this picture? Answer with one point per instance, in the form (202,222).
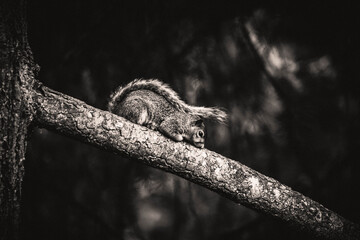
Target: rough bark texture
(16,77)
(225,176)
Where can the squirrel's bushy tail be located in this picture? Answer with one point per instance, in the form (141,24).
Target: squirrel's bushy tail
(212,113)
(170,95)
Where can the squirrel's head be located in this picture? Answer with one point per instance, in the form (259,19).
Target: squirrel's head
(196,133)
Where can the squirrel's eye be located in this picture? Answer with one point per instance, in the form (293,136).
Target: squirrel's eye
(199,122)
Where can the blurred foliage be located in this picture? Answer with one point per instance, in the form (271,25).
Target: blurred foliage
(287,72)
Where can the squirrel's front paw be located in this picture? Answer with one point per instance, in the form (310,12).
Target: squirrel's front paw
(177,137)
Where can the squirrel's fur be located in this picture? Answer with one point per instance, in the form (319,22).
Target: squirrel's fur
(154,104)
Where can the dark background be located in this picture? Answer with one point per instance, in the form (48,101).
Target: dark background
(294,118)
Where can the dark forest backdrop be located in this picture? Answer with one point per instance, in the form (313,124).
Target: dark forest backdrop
(287,73)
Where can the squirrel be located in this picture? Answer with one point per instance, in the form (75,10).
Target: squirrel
(154,104)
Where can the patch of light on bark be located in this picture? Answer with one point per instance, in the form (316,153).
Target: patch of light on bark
(98,120)
(218,172)
(118,124)
(203,163)
(255,187)
(276,193)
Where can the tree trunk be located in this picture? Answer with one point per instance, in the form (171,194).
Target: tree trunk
(15,116)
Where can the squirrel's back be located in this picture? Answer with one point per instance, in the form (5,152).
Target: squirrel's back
(153,85)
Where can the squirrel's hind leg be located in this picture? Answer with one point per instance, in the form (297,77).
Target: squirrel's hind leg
(134,110)
(170,127)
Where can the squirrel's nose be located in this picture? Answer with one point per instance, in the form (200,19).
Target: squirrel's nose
(201,133)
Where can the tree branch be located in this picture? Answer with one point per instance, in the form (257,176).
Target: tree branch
(227,177)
